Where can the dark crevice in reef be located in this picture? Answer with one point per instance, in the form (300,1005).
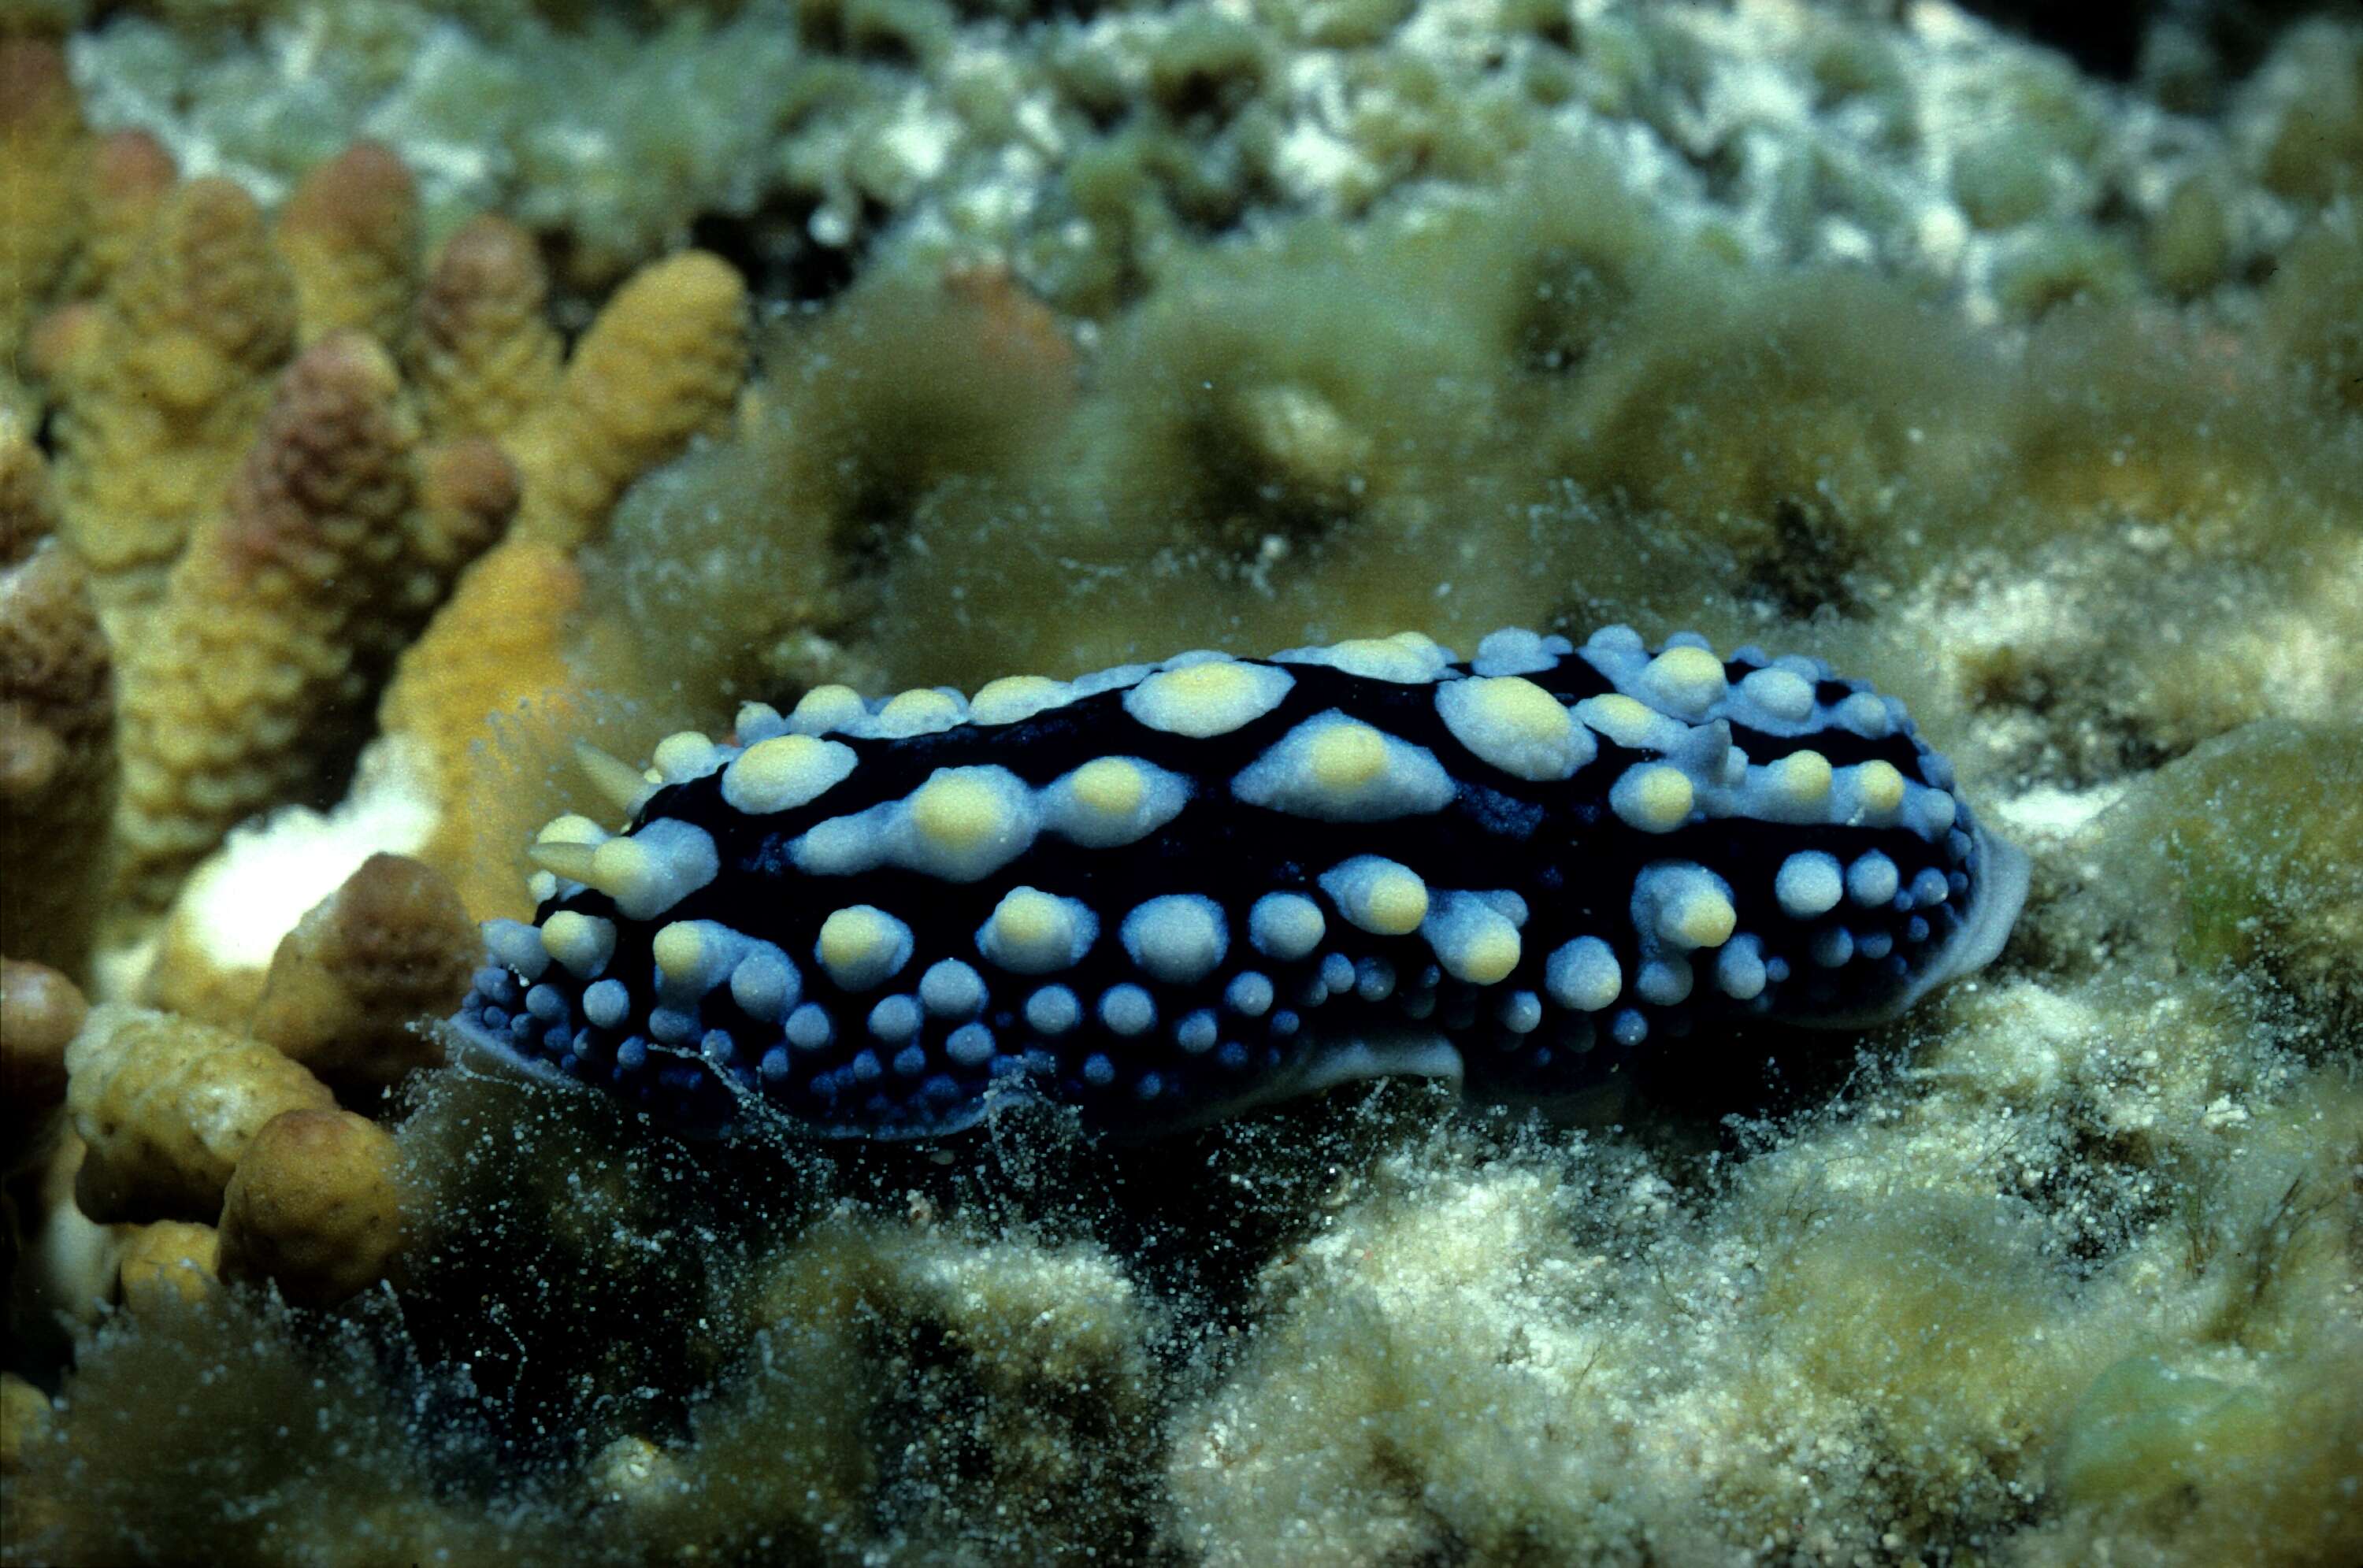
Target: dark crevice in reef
(856,32)
(2108,38)
(1748,1071)
(1193,1215)
(1809,567)
(669,1238)
(773,249)
(2102,36)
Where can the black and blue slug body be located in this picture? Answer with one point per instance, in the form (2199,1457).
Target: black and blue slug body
(1165,893)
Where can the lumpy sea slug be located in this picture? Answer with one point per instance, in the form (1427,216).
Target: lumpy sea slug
(1165,893)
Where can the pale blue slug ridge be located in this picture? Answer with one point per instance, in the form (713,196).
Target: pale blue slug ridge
(1166,893)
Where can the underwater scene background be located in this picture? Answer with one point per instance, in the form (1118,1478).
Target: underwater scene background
(400,396)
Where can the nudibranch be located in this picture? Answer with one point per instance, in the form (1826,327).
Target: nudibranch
(1164,893)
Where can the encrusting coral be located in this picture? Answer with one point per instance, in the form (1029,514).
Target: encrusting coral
(1086,149)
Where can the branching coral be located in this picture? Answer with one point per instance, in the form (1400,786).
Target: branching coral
(349,236)
(266,536)
(167,1107)
(314,1207)
(253,642)
(348,986)
(57,763)
(483,352)
(663,362)
(43,189)
(282,612)
(164,384)
(168,1263)
(40,1012)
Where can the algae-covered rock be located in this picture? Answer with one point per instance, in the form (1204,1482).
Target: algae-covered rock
(2249,851)
(2311,311)
(2208,1453)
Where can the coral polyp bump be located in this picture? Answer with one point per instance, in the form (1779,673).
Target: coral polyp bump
(1166,893)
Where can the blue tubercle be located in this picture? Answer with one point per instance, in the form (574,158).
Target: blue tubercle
(1165,893)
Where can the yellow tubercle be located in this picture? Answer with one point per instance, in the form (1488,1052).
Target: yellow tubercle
(1392,902)
(1110,786)
(1686,679)
(1014,697)
(918,712)
(860,945)
(1705,919)
(684,754)
(1802,778)
(679,948)
(618,781)
(951,811)
(581,943)
(1524,708)
(1029,916)
(625,870)
(1881,786)
(1660,797)
(568,858)
(1346,756)
(784,771)
(1624,720)
(1212,698)
(826,707)
(1487,958)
